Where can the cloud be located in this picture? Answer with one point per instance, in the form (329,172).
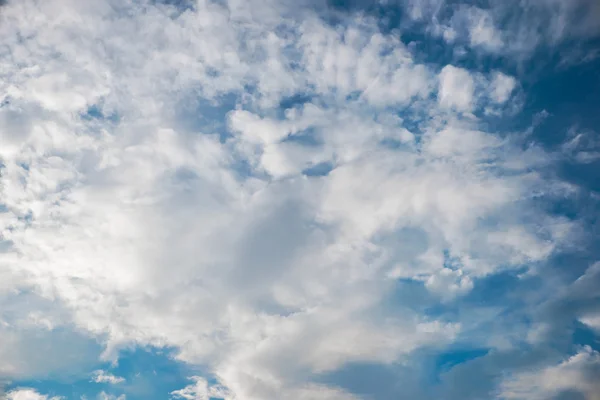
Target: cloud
(582,147)
(135,228)
(574,374)
(577,300)
(106,396)
(200,390)
(28,394)
(36,340)
(514,28)
(105,377)
(482,32)
(456,88)
(502,87)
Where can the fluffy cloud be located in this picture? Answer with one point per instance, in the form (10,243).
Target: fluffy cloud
(154,188)
(456,88)
(514,28)
(27,394)
(576,374)
(199,390)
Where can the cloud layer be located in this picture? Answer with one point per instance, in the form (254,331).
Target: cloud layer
(257,184)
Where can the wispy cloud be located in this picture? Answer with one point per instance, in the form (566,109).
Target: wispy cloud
(105,377)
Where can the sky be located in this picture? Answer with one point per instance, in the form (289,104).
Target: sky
(299,199)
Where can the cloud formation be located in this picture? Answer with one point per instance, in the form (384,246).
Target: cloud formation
(575,374)
(249,183)
(105,377)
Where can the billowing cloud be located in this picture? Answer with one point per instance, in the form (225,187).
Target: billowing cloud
(248,183)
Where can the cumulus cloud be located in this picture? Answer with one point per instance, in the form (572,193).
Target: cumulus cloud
(576,374)
(456,88)
(154,190)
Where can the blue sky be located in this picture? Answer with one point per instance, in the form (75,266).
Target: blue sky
(311,200)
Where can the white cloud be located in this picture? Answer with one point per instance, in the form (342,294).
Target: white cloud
(456,88)
(482,32)
(502,87)
(582,291)
(361,60)
(513,28)
(592,320)
(28,394)
(201,390)
(582,146)
(31,347)
(574,374)
(106,396)
(100,376)
(449,282)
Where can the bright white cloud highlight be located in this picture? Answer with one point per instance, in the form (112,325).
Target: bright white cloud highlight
(28,394)
(456,88)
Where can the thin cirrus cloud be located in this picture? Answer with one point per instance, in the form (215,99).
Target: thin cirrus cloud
(155,194)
